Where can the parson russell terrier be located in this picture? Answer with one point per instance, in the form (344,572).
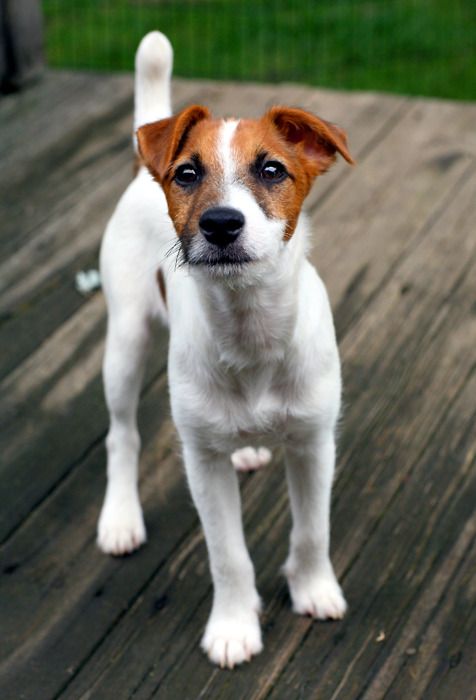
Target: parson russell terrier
(253,353)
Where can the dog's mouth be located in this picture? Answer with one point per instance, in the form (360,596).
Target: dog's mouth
(222,261)
(228,258)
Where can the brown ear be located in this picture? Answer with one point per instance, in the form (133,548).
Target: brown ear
(161,142)
(317,140)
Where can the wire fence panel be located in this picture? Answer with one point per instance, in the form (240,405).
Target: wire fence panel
(425,47)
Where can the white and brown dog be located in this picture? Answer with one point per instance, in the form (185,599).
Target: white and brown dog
(253,353)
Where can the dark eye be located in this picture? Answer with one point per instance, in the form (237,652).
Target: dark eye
(186,175)
(273,171)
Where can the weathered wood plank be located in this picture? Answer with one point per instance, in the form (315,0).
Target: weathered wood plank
(45,118)
(57,392)
(170,670)
(59,381)
(386,451)
(432,654)
(47,568)
(69,211)
(22,105)
(51,297)
(400,574)
(374,220)
(82,625)
(38,572)
(54,174)
(345,511)
(455,674)
(168,639)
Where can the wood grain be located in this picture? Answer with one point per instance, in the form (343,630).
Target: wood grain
(394,241)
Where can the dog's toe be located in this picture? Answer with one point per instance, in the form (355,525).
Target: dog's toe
(249,459)
(320,597)
(230,642)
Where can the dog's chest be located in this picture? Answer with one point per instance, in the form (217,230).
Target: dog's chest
(246,403)
(235,368)
(257,405)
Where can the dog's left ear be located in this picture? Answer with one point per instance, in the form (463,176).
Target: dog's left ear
(317,141)
(161,142)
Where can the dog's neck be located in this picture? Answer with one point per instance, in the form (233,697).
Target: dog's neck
(251,320)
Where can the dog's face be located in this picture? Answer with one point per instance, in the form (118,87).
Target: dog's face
(235,188)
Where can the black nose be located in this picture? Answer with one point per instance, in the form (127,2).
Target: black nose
(221,225)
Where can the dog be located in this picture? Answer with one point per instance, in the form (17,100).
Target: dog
(252,354)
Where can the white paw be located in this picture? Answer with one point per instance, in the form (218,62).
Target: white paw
(121,527)
(248,459)
(319,596)
(230,641)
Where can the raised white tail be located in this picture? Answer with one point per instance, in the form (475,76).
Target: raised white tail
(154,60)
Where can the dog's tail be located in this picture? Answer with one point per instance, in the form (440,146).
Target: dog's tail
(154,60)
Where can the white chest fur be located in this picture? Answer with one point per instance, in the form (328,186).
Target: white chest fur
(247,362)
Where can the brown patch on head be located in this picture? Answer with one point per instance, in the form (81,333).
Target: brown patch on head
(190,138)
(303,143)
(161,142)
(257,143)
(186,205)
(316,140)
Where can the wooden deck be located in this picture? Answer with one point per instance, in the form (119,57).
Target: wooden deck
(396,246)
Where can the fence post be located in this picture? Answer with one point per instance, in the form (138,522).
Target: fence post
(21,43)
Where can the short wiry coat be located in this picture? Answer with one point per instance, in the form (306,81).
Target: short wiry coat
(252,355)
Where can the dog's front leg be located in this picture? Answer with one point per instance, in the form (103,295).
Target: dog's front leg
(313,585)
(232,634)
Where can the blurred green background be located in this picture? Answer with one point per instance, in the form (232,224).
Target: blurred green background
(424,47)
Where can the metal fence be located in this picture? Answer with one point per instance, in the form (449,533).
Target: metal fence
(409,46)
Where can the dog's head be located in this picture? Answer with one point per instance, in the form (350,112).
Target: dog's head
(235,188)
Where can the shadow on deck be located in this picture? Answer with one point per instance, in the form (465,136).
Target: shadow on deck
(396,247)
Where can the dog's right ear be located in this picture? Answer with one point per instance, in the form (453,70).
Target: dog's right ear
(316,140)
(161,142)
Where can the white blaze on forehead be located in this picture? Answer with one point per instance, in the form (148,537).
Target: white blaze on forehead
(235,193)
(225,137)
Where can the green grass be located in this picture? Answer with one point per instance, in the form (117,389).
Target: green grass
(424,47)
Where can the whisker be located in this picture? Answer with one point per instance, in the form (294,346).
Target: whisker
(176,246)
(179,259)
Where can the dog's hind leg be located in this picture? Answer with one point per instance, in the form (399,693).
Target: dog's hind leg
(121,526)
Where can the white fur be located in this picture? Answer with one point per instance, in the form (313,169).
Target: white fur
(252,357)
(248,458)
(224,147)
(152,80)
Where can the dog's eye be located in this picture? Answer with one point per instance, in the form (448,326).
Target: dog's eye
(273,171)
(186,175)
